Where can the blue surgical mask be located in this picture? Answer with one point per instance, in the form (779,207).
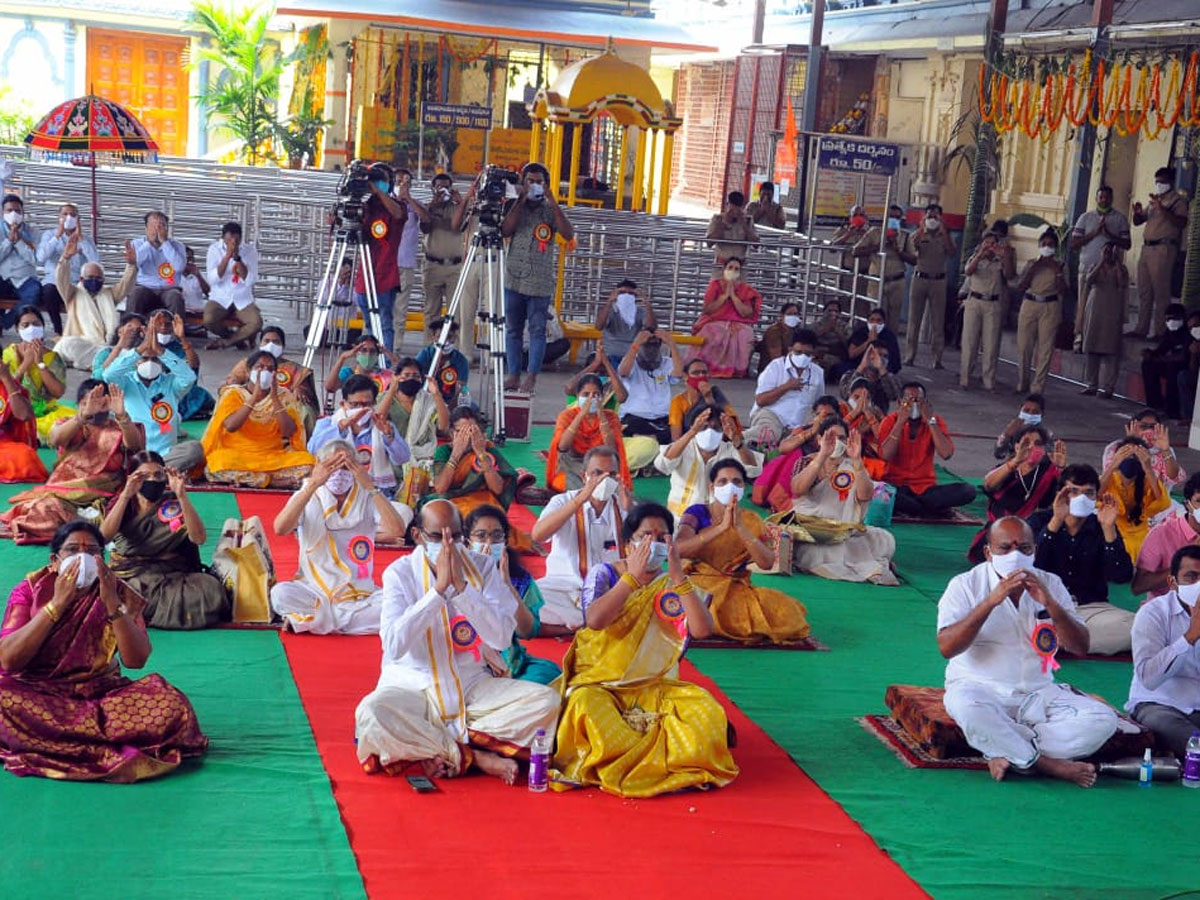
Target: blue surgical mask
(382,185)
(495,551)
(658,555)
(893,223)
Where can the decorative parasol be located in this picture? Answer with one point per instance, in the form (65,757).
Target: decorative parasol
(88,130)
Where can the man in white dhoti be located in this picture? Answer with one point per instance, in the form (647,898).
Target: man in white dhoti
(584,528)
(91,307)
(338,515)
(444,701)
(999,625)
(711,435)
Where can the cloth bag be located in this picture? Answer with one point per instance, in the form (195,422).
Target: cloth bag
(413,485)
(879,513)
(243,562)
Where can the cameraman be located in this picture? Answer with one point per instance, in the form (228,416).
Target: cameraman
(382,228)
(232,268)
(530,224)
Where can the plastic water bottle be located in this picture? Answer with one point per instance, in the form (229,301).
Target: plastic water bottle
(1191,762)
(539,762)
(1146,776)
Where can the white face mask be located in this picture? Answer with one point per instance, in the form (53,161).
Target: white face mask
(1174,324)
(626,306)
(149,369)
(1082,506)
(88,570)
(340,481)
(164,339)
(914,412)
(800,360)
(14,217)
(433,551)
(1030,418)
(709,440)
(933,224)
(1188,593)
(587,404)
(1010,562)
(728,493)
(733,274)
(276,350)
(536,191)
(1161,187)
(31,333)
(69,222)
(1045,252)
(1195,513)
(658,555)
(791,321)
(839,449)
(605,489)
(875,327)
(265,377)
(1195,333)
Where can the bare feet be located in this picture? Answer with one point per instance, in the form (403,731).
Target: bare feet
(436,768)
(529,384)
(511,382)
(998,767)
(1082,773)
(504,769)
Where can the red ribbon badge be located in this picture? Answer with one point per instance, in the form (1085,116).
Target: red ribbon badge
(379,229)
(167,273)
(170,513)
(477,463)
(162,413)
(842,481)
(464,637)
(543,234)
(364,454)
(361,549)
(670,609)
(449,376)
(283,377)
(1045,643)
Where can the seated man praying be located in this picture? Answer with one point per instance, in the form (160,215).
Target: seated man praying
(908,439)
(378,444)
(711,434)
(999,625)
(785,393)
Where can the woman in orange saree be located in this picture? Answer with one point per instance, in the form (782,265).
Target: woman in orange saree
(18,433)
(93,446)
(66,711)
(578,429)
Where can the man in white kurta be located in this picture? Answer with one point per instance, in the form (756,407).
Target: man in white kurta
(443,698)
(688,460)
(91,309)
(337,515)
(1000,689)
(584,530)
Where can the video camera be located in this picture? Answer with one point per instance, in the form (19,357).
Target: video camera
(493,191)
(354,190)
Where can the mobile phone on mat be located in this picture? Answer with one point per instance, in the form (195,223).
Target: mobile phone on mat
(422,785)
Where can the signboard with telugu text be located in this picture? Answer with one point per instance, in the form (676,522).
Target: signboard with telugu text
(858,157)
(449,115)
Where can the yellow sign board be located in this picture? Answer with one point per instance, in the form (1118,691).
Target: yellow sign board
(508,148)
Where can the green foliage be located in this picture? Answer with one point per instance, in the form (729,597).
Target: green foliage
(16,117)
(244,95)
(298,136)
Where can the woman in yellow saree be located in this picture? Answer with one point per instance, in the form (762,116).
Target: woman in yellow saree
(630,726)
(40,371)
(720,540)
(256,437)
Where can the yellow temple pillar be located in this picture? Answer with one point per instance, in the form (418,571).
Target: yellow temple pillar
(664,185)
(621,167)
(639,171)
(573,172)
(653,134)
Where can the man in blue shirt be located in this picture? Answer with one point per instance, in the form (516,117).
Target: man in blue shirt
(18,260)
(50,249)
(160,261)
(453,367)
(381,448)
(155,379)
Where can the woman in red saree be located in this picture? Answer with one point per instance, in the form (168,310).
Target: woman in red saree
(731,309)
(66,711)
(577,430)
(18,433)
(93,446)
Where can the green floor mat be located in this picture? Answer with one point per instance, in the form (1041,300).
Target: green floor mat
(255,818)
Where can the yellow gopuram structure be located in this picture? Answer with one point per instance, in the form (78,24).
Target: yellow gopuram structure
(608,85)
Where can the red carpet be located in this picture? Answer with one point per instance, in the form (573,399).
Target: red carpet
(772,832)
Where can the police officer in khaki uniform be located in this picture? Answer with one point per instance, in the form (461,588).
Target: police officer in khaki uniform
(1044,283)
(764,210)
(987,271)
(933,248)
(442,226)
(1165,218)
(897,249)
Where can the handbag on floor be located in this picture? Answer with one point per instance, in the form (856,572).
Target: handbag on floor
(243,562)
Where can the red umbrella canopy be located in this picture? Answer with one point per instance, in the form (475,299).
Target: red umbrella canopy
(92,125)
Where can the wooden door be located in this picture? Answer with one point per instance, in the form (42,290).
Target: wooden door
(145,74)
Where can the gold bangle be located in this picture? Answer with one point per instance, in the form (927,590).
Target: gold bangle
(51,611)
(632,583)
(684,587)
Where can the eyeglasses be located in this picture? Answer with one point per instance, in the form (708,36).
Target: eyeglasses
(492,537)
(358,404)
(436,538)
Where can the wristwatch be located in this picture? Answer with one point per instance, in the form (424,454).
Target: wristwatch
(933,420)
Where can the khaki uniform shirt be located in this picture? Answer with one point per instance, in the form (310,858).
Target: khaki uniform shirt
(931,253)
(770,214)
(721,233)
(1045,279)
(894,262)
(442,241)
(988,279)
(1158,228)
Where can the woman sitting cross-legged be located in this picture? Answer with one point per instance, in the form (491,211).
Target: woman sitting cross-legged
(488,531)
(256,438)
(720,540)
(1023,483)
(19,459)
(338,514)
(93,447)
(577,430)
(1140,494)
(730,312)
(40,371)
(630,725)
(66,711)
(834,484)
(156,535)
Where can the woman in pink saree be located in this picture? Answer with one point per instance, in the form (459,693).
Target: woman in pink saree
(731,309)
(66,711)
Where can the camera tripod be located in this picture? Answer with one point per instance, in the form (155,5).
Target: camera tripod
(347,242)
(491,312)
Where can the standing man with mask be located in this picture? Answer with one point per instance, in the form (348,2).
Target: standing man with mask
(160,260)
(410,243)
(897,249)
(232,266)
(987,271)
(442,224)
(1164,218)
(530,224)
(784,395)
(1095,228)
(731,232)
(383,229)
(1044,283)
(50,250)
(933,248)
(764,210)
(18,261)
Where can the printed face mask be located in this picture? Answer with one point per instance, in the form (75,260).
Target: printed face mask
(728,493)
(709,440)
(340,481)
(149,369)
(791,321)
(93,285)
(1010,562)
(1082,506)
(276,350)
(31,333)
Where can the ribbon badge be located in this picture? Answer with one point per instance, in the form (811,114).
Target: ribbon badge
(464,637)
(1045,643)
(842,481)
(379,229)
(543,234)
(364,454)
(170,513)
(283,377)
(477,464)
(167,273)
(670,609)
(162,413)
(449,376)
(3,406)
(361,549)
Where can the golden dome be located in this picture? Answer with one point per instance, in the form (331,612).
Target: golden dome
(608,82)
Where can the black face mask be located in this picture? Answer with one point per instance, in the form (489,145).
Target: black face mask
(1129,468)
(650,358)
(152,490)
(93,285)
(409,387)
(100,418)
